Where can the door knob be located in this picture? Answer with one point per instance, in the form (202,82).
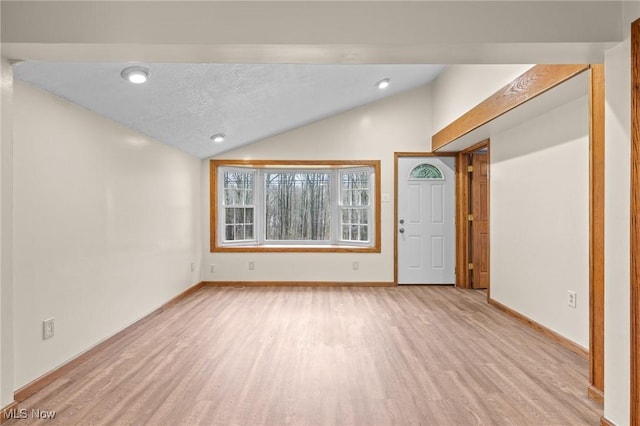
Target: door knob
(401,230)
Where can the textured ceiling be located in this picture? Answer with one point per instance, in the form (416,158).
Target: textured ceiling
(184,104)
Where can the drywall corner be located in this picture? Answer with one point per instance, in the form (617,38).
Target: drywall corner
(6,235)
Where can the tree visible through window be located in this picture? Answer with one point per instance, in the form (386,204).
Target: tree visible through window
(355,206)
(295,205)
(239,205)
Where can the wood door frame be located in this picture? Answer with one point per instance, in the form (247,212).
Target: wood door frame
(596,232)
(635,226)
(396,156)
(463,237)
(532,83)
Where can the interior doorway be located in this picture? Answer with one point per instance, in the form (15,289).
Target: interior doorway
(473,251)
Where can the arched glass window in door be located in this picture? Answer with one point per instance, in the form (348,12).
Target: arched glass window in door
(425,172)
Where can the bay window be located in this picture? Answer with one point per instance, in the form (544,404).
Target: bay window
(295,206)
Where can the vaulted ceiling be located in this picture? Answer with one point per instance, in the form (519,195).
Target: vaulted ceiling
(184,105)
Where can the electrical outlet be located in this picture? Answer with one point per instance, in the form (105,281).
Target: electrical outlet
(356,266)
(212,268)
(48,329)
(252,265)
(193,266)
(571,300)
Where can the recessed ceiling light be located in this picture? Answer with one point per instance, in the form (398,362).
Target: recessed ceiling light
(218,138)
(383,84)
(136,75)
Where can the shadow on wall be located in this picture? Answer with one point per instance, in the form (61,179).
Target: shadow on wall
(565,124)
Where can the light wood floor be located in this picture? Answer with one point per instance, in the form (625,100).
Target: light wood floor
(323,356)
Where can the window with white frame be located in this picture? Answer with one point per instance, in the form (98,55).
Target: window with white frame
(238,195)
(306,206)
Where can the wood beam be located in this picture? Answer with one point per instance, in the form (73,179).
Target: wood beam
(532,83)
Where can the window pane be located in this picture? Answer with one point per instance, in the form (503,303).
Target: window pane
(239,232)
(364,217)
(297,206)
(364,196)
(229,197)
(425,171)
(355,194)
(346,197)
(248,197)
(239,224)
(238,188)
(355,180)
(364,233)
(355,188)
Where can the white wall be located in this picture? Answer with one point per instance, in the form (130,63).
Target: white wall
(371,132)
(107,223)
(617,224)
(6,234)
(540,219)
(462,87)
(538,198)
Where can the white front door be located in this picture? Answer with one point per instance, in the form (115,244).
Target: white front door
(426,220)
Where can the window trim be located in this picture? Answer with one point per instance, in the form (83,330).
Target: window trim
(214,165)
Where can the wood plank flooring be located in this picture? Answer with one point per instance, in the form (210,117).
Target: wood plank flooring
(326,356)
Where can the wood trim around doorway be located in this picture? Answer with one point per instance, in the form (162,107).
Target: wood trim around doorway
(596,232)
(397,155)
(462,225)
(635,225)
(532,83)
(462,210)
